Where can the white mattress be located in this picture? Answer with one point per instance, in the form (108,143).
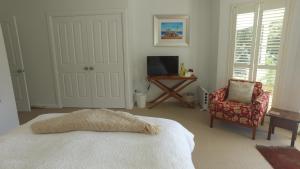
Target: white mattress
(170,149)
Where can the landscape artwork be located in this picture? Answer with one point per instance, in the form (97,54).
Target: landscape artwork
(171,30)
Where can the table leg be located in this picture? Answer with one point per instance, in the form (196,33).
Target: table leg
(159,101)
(159,97)
(180,99)
(294,135)
(270,128)
(253,133)
(164,88)
(273,129)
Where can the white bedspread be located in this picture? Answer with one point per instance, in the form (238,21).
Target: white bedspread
(170,149)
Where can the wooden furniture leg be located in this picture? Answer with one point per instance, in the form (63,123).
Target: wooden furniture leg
(253,133)
(164,88)
(171,91)
(160,96)
(273,129)
(158,102)
(294,135)
(270,128)
(211,121)
(262,121)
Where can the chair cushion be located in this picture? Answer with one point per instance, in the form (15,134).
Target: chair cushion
(240,91)
(231,107)
(233,111)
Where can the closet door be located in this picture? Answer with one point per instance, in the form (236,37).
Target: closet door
(106,52)
(89,55)
(72,60)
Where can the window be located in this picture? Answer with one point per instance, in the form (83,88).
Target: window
(256,41)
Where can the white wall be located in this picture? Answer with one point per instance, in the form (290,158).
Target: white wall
(8,109)
(195,56)
(207,52)
(32,24)
(214,45)
(287,93)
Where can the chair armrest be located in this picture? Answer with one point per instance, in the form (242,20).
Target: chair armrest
(262,99)
(218,95)
(260,105)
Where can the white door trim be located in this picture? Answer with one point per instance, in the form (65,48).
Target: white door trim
(12,20)
(123,13)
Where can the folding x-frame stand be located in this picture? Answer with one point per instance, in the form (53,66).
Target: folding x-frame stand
(173,91)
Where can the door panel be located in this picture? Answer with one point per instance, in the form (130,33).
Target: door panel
(14,54)
(75,89)
(108,62)
(100,80)
(71,55)
(98,35)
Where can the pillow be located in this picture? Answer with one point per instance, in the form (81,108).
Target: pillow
(94,120)
(240,91)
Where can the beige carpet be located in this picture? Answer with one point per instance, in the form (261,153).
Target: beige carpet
(226,146)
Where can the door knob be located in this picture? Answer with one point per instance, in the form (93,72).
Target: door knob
(20,71)
(91,68)
(86,68)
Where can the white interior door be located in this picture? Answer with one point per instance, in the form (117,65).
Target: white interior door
(72,58)
(89,56)
(14,54)
(106,51)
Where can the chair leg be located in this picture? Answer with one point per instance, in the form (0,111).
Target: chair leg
(211,121)
(253,133)
(262,121)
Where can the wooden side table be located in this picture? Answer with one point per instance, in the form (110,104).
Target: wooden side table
(284,119)
(173,91)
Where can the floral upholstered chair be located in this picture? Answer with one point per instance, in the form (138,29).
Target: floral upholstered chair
(247,114)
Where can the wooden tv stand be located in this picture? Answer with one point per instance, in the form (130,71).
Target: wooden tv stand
(173,91)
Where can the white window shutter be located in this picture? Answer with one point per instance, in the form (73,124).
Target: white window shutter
(257,41)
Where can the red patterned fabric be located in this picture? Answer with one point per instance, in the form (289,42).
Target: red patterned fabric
(247,114)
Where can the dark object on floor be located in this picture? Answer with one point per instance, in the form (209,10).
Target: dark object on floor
(281,157)
(284,119)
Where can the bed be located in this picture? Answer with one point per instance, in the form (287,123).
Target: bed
(170,149)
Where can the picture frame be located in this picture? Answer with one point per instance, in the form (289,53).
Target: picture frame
(171,30)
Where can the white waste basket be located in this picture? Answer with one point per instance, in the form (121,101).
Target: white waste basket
(140,100)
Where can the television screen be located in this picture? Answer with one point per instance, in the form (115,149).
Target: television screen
(162,65)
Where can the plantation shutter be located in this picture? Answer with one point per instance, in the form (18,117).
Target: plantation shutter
(269,46)
(244,37)
(256,40)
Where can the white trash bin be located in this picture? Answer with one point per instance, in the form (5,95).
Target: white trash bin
(140,99)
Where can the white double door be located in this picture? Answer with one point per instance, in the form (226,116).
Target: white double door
(89,54)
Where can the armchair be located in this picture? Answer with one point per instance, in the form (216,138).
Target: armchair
(249,115)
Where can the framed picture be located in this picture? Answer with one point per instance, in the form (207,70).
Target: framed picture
(171,30)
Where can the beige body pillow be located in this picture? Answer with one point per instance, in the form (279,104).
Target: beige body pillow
(94,120)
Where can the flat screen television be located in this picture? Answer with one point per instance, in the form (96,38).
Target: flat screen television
(162,65)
